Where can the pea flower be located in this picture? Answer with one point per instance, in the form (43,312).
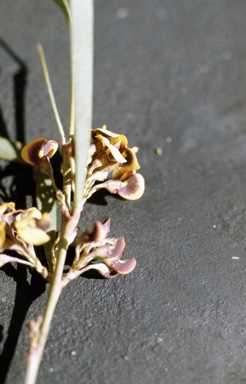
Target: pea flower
(38,154)
(20,230)
(94,250)
(112,165)
(31,225)
(34,152)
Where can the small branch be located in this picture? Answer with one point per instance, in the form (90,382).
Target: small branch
(50,91)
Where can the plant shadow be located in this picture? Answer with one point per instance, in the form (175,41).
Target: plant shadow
(16,185)
(26,293)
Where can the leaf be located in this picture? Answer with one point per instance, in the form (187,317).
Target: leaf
(64,6)
(82,79)
(10,151)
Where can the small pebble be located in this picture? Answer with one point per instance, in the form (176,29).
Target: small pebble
(122,13)
(169,139)
(226,55)
(158,151)
(204,69)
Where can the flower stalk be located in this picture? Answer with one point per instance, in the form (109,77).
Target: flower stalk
(81,30)
(38,341)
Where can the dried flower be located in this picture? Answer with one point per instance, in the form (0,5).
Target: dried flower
(112,165)
(20,230)
(38,153)
(31,225)
(94,250)
(37,150)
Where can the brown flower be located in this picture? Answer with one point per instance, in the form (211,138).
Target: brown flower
(37,150)
(112,165)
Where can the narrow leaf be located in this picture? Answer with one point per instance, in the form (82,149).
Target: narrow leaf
(82,77)
(63,4)
(10,151)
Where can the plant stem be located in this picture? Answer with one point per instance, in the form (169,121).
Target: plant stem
(38,343)
(50,91)
(80,126)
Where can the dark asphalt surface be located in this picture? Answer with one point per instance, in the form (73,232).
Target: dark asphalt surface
(169,74)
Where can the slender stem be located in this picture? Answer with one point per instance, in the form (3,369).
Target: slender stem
(36,350)
(50,91)
(67,233)
(37,345)
(80,127)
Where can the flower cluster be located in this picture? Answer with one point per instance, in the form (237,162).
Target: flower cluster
(94,250)
(112,165)
(20,231)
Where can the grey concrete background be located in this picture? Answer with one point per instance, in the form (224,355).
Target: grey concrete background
(168,74)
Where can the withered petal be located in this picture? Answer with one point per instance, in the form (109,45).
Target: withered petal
(30,152)
(131,159)
(119,248)
(133,188)
(114,151)
(5,206)
(98,232)
(106,224)
(124,266)
(102,268)
(2,233)
(49,149)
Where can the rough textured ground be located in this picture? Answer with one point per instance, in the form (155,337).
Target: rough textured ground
(169,74)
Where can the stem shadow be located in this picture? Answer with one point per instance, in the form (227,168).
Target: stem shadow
(16,184)
(26,293)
